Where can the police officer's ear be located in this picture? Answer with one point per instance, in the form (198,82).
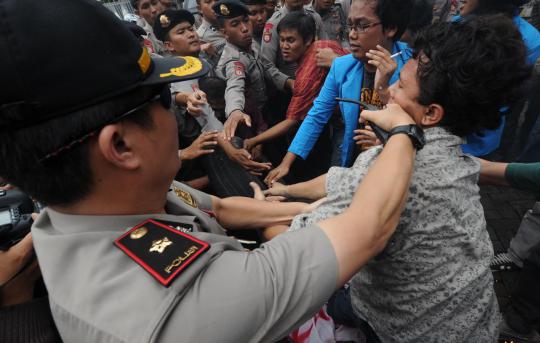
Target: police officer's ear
(116,145)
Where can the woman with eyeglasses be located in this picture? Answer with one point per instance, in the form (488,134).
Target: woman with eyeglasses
(375,27)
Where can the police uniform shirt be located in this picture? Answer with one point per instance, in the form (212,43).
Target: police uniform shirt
(210,34)
(99,294)
(154,45)
(270,51)
(244,73)
(334,24)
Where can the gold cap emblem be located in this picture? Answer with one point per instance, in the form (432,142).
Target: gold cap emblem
(160,245)
(140,232)
(164,20)
(224,9)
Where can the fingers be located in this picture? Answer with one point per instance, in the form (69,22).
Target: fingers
(230,128)
(257,192)
(247,120)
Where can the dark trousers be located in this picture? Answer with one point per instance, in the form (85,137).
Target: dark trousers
(524,312)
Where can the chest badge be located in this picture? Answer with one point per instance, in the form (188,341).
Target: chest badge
(185,196)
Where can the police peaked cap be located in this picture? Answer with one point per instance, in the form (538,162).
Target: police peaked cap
(96,59)
(169,19)
(227,9)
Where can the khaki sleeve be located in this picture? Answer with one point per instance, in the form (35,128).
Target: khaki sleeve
(269,51)
(203,200)
(235,74)
(258,296)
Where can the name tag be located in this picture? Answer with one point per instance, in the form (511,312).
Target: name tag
(163,249)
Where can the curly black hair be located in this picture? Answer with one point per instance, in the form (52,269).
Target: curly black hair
(472,68)
(507,7)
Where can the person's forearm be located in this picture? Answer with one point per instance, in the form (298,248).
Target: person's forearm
(363,229)
(247,213)
(313,189)
(278,130)
(493,173)
(226,145)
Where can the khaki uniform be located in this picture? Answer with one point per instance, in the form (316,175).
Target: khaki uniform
(154,45)
(334,24)
(210,34)
(245,76)
(100,294)
(270,46)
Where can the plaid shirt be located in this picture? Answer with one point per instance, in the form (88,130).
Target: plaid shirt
(310,79)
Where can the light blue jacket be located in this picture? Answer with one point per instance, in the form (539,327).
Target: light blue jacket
(345,81)
(489,140)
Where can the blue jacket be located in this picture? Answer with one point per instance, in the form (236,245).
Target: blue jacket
(489,140)
(344,80)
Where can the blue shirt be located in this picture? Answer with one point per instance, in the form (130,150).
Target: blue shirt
(344,80)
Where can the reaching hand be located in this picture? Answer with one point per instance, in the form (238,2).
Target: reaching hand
(243,158)
(325,57)
(276,174)
(257,192)
(278,192)
(366,138)
(203,145)
(209,49)
(236,117)
(194,103)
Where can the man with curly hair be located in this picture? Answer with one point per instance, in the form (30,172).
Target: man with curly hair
(432,282)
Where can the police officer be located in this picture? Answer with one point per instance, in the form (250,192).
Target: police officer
(145,15)
(209,33)
(270,50)
(258,17)
(241,67)
(126,255)
(334,21)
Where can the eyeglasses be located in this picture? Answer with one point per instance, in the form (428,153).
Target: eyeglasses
(166,101)
(361,28)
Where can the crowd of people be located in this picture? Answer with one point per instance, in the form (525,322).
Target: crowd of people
(233,174)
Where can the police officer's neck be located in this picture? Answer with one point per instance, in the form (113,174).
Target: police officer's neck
(119,197)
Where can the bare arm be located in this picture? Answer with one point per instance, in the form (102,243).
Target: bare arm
(363,229)
(313,189)
(278,130)
(493,173)
(246,213)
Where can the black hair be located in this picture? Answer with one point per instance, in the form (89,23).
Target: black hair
(67,177)
(472,68)
(214,87)
(303,23)
(421,16)
(507,7)
(393,14)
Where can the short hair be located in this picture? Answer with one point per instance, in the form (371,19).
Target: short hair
(506,7)
(67,177)
(214,87)
(421,16)
(472,68)
(303,23)
(393,14)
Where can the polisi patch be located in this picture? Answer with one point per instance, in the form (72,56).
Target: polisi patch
(163,249)
(239,68)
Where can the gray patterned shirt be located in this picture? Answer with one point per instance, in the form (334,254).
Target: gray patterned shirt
(432,282)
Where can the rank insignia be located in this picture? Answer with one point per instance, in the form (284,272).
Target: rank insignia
(163,251)
(224,10)
(164,21)
(185,196)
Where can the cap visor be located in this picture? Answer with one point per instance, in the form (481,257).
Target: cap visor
(174,69)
